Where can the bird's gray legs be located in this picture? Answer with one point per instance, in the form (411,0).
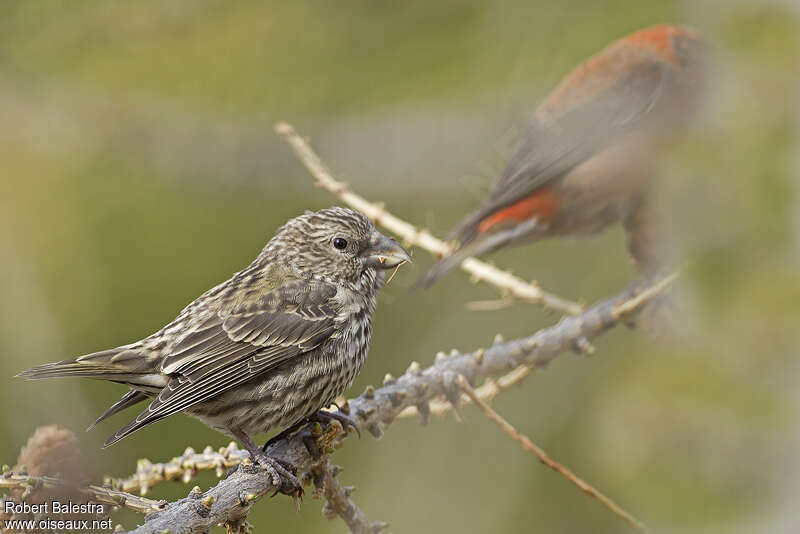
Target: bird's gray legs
(280,473)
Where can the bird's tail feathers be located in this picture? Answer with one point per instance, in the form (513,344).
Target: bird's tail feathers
(466,231)
(478,245)
(121,364)
(442,267)
(72,368)
(143,419)
(465,234)
(129,399)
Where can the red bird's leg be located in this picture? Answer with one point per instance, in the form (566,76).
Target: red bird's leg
(542,204)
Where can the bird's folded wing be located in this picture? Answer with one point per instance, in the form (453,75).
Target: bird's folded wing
(560,137)
(227,349)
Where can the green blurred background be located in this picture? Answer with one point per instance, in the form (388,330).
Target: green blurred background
(139,168)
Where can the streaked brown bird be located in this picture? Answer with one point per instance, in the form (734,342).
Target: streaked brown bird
(267,348)
(588,155)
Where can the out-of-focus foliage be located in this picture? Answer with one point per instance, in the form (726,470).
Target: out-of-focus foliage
(139,169)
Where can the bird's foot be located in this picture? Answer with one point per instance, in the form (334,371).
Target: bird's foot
(282,474)
(323,416)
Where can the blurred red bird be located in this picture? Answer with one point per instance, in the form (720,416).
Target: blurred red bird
(587,157)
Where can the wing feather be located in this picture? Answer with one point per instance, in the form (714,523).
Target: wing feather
(227,349)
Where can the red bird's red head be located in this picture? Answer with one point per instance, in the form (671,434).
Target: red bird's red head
(662,39)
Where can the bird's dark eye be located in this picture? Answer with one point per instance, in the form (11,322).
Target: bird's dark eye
(340,243)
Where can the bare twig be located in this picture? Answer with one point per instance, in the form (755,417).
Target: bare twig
(338,502)
(507,283)
(230,500)
(97,494)
(490,305)
(543,457)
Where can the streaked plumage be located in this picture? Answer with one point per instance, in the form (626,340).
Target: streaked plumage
(587,156)
(265,349)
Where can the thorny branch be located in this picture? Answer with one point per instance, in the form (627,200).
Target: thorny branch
(186,466)
(492,387)
(230,500)
(183,468)
(338,501)
(487,391)
(507,283)
(543,457)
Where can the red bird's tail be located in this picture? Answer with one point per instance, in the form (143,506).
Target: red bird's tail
(484,243)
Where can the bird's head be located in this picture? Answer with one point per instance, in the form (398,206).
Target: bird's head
(336,244)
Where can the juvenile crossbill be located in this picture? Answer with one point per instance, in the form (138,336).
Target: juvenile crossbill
(267,348)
